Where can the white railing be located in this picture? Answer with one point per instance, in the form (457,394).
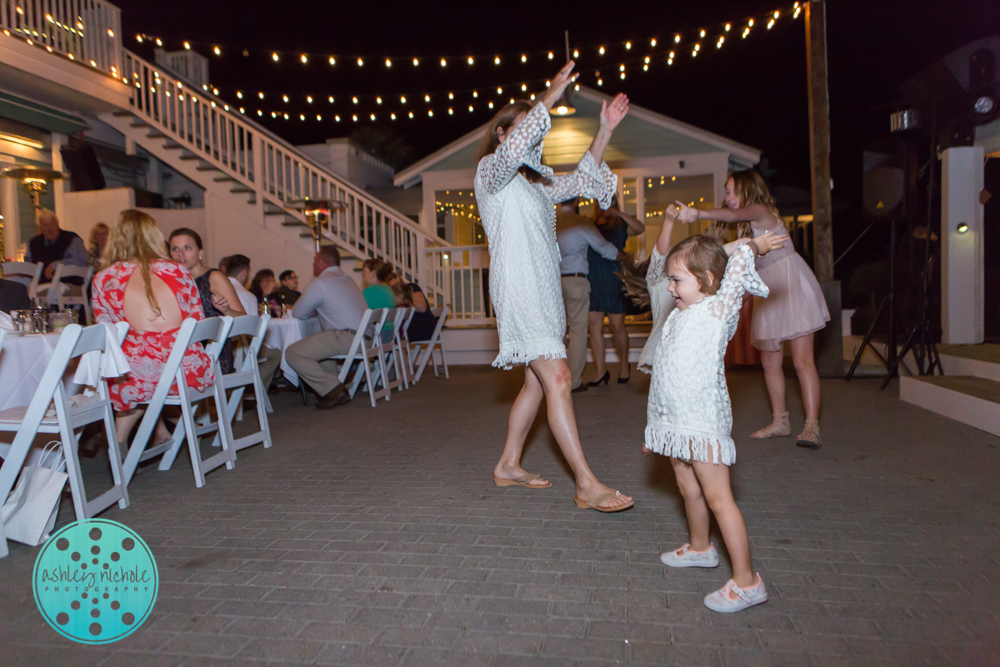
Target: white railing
(460,279)
(276,170)
(87,31)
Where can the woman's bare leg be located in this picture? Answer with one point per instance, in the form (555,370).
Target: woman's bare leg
(522,416)
(695,506)
(805,367)
(714,480)
(620,336)
(596,324)
(556,380)
(125,420)
(774,377)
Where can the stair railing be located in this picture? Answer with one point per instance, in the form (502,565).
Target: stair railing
(276,170)
(459,277)
(87,31)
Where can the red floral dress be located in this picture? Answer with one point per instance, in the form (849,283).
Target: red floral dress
(147,351)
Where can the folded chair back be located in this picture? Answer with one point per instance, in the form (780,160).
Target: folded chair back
(25,273)
(67,419)
(247,375)
(212,333)
(424,350)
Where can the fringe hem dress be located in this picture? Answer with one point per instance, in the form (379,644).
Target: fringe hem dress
(520,222)
(689,416)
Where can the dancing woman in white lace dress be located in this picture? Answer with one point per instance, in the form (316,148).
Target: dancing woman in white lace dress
(690,417)
(519,220)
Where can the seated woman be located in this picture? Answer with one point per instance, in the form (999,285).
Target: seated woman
(375,274)
(218,297)
(264,286)
(154,295)
(410,295)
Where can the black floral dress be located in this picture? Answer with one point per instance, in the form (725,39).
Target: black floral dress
(226,359)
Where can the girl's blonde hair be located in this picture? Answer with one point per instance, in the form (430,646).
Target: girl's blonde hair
(704,258)
(93,232)
(137,240)
(751,189)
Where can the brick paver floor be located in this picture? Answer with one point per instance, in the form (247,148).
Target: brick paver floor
(376,537)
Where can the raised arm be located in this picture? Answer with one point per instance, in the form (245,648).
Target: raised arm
(666,231)
(635,227)
(740,277)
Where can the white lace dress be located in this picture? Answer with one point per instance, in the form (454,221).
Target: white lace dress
(661,303)
(519,218)
(689,415)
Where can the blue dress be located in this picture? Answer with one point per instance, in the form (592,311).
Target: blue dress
(607,293)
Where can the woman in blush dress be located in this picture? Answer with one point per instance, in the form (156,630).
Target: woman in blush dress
(519,218)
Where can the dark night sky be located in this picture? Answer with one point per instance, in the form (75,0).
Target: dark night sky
(753,90)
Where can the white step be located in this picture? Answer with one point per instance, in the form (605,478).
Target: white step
(981,361)
(971,400)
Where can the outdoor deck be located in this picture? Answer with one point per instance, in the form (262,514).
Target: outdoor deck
(375,537)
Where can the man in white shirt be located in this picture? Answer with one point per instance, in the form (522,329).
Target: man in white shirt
(237,269)
(575,234)
(337,300)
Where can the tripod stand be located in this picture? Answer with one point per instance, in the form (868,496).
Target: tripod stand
(890,360)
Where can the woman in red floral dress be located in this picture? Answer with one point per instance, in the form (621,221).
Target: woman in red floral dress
(143,287)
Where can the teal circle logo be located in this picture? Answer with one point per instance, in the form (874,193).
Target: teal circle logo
(95,581)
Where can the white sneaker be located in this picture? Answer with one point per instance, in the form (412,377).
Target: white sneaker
(685,557)
(721,601)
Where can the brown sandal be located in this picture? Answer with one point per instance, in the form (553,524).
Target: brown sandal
(594,503)
(524,480)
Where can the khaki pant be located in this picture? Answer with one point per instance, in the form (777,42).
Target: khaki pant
(268,362)
(310,358)
(576,297)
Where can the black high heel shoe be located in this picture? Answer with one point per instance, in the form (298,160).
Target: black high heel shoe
(625,380)
(604,378)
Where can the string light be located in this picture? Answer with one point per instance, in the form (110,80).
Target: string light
(427,98)
(388,63)
(415,62)
(354,99)
(187,46)
(274,57)
(770,24)
(576,54)
(491,105)
(499,91)
(475,93)
(218,51)
(402,99)
(524,58)
(260,95)
(309,99)
(551,55)
(702,34)
(728,26)
(451,96)
(470,60)
(337,118)
(333,61)
(628,46)
(361,62)
(285,98)
(239,94)
(496,60)
(601,50)
(451,112)
(392,116)
(443,62)
(304,58)
(330,99)
(411,114)
(378,100)
(677,39)
(652,42)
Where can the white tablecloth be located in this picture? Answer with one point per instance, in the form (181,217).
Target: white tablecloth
(23,360)
(281,333)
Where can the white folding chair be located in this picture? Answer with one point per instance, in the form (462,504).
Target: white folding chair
(395,352)
(248,375)
(366,348)
(66,420)
(24,273)
(424,350)
(65,299)
(214,330)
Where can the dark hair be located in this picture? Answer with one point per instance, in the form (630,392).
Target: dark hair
(258,278)
(330,254)
(634,281)
(383,269)
(703,257)
(184,231)
(502,120)
(285,275)
(234,264)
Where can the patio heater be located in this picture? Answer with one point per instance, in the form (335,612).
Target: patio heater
(35,181)
(313,209)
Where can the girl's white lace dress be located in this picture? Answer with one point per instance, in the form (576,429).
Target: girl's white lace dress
(520,219)
(661,303)
(689,415)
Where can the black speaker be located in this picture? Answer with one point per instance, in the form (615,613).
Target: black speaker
(890,179)
(85,170)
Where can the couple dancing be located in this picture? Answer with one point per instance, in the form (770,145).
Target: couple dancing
(515,194)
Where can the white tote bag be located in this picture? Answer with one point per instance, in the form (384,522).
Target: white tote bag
(30,511)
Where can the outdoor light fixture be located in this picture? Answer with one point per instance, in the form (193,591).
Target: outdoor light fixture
(962,228)
(984,104)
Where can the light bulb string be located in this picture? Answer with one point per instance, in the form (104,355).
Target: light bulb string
(658,43)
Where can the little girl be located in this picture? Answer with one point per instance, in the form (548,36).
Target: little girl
(689,414)
(794,313)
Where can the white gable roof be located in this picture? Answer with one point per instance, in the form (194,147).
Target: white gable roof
(643,133)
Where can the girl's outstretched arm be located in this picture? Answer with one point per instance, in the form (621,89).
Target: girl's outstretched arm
(758,213)
(762,244)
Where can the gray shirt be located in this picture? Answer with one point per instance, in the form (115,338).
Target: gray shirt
(575,234)
(76,255)
(335,298)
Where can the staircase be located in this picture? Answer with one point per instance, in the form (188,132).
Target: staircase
(970,390)
(216,146)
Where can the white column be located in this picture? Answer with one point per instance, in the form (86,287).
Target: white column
(58,186)
(962,269)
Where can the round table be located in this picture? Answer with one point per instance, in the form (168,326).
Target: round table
(286,331)
(23,360)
